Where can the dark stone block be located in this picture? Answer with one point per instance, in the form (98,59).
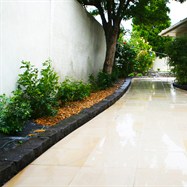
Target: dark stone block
(82,118)
(16,160)
(19,156)
(71,121)
(52,134)
(101,106)
(111,99)
(183,86)
(38,145)
(66,126)
(117,95)
(7,171)
(86,111)
(92,111)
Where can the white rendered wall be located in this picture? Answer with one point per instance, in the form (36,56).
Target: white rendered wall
(161,64)
(80,49)
(57,29)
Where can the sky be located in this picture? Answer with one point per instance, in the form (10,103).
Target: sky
(178,11)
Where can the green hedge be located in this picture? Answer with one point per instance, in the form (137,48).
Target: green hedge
(177,52)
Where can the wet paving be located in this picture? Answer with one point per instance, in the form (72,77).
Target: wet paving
(140,141)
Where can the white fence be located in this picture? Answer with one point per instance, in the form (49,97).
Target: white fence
(36,30)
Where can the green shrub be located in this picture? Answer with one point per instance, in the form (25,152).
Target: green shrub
(40,90)
(103,80)
(93,83)
(134,74)
(35,96)
(71,90)
(14,112)
(144,55)
(132,59)
(143,61)
(177,52)
(124,59)
(115,74)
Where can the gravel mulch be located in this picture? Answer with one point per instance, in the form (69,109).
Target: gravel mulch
(72,108)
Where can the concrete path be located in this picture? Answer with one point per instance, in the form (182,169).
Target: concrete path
(139,141)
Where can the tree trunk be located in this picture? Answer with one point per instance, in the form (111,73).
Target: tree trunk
(111,41)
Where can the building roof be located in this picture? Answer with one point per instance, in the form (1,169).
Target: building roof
(178,29)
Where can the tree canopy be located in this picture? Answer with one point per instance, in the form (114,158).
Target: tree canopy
(112,12)
(149,25)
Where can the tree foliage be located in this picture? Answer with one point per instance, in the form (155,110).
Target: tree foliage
(144,54)
(149,25)
(134,57)
(112,12)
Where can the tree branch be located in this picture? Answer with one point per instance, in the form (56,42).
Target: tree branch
(118,16)
(113,9)
(127,4)
(120,9)
(97,4)
(88,2)
(123,7)
(109,10)
(101,12)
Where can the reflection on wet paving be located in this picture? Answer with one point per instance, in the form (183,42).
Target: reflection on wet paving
(139,141)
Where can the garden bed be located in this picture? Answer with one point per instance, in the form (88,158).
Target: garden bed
(19,151)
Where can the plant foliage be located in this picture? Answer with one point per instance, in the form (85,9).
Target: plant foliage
(102,81)
(176,51)
(72,90)
(40,89)
(144,55)
(35,96)
(151,22)
(14,112)
(125,57)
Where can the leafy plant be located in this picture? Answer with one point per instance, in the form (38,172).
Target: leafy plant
(35,96)
(72,90)
(176,51)
(93,83)
(41,91)
(135,74)
(143,61)
(151,22)
(14,112)
(124,58)
(115,74)
(104,80)
(144,55)
(101,81)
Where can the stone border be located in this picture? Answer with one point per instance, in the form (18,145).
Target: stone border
(183,87)
(13,161)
